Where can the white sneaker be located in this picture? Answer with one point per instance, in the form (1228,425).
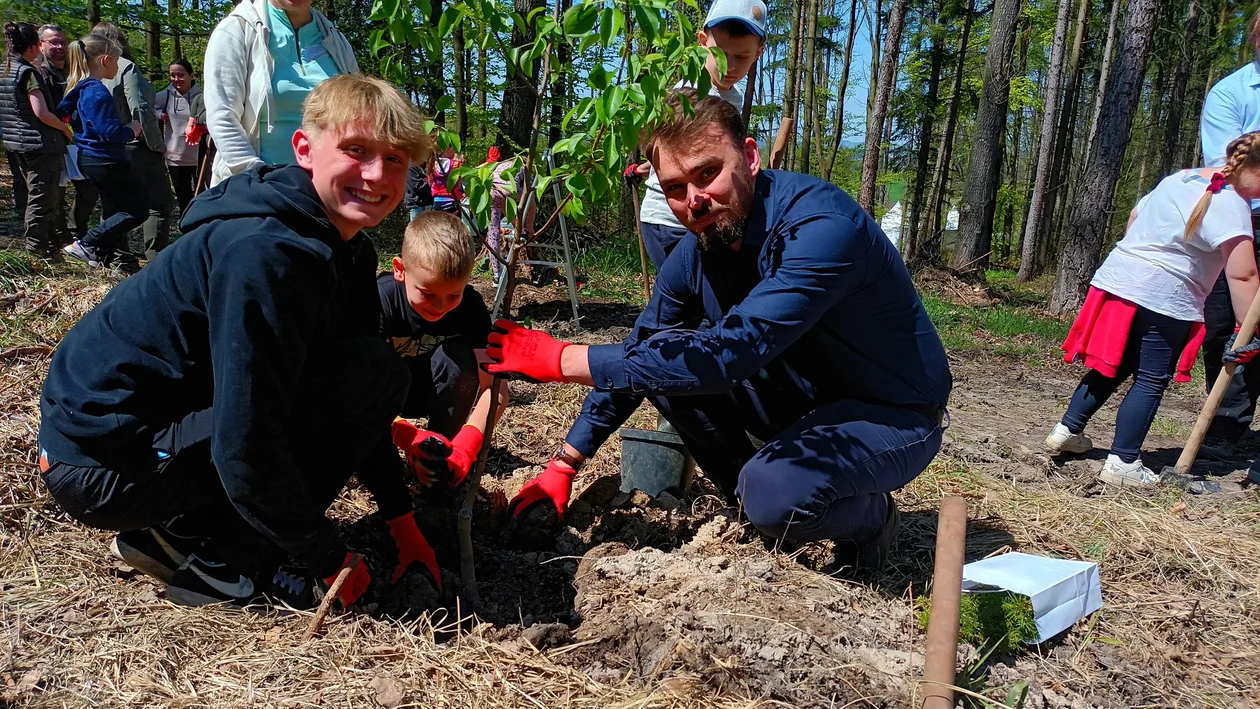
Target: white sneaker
(1061,440)
(1117,472)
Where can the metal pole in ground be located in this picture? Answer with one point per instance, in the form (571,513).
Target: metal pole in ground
(941,656)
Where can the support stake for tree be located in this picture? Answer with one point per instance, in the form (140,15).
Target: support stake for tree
(781,142)
(317,620)
(638,228)
(941,656)
(467,562)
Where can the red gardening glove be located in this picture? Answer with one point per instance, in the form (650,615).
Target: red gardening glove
(356,584)
(522,353)
(412,547)
(194,132)
(464,449)
(631,175)
(555,484)
(431,456)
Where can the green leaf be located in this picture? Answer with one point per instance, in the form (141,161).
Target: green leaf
(450,17)
(598,77)
(719,58)
(580,19)
(509,209)
(606,28)
(377,42)
(383,10)
(577,184)
(649,21)
(444,103)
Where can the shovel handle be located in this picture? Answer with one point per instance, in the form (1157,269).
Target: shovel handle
(1245,333)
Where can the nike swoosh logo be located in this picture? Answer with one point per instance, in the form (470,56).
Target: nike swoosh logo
(241,589)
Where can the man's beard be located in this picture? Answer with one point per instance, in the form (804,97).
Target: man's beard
(729,227)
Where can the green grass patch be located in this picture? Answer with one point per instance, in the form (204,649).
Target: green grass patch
(1008,330)
(612,272)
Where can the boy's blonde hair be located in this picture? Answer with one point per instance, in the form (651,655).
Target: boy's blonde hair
(439,242)
(347,99)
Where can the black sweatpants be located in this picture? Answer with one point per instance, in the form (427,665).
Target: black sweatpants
(184,180)
(350,396)
(1237,409)
(124,202)
(40,174)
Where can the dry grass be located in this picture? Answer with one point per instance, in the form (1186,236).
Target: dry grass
(1180,622)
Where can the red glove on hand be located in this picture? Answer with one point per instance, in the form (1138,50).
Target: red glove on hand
(412,547)
(631,175)
(522,353)
(356,584)
(431,456)
(555,484)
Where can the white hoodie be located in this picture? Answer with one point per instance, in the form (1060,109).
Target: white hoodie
(238,70)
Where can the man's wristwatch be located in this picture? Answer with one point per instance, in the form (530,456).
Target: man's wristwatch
(567,458)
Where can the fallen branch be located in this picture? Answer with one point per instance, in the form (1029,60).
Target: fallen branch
(317,620)
(26,350)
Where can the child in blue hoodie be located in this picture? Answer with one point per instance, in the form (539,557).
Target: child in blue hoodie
(101,138)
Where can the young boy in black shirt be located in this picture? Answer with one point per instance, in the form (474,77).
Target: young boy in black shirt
(438,324)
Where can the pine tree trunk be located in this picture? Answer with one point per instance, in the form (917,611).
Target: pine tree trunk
(1100,91)
(844,88)
(822,76)
(516,118)
(1172,131)
(174,11)
(930,247)
(1045,148)
(975,223)
(793,66)
(750,89)
(936,58)
(811,56)
(1090,218)
(93,12)
(435,79)
(1012,165)
(152,39)
(1062,149)
(482,90)
(875,125)
(559,97)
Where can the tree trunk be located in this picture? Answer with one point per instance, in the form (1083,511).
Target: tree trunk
(930,248)
(935,58)
(1012,165)
(793,69)
(516,118)
(93,12)
(559,97)
(876,34)
(844,88)
(1089,219)
(1062,152)
(434,77)
(152,39)
(1100,91)
(461,83)
(808,120)
(750,88)
(174,11)
(482,90)
(875,125)
(1172,131)
(975,224)
(1045,149)
(822,76)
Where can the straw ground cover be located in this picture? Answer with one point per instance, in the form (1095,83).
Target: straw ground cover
(638,603)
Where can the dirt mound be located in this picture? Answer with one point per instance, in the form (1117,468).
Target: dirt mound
(751,625)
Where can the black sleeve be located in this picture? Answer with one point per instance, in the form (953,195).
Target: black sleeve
(477,318)
(265,300)
(388,290)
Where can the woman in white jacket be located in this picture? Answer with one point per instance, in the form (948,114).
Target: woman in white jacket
(261,62)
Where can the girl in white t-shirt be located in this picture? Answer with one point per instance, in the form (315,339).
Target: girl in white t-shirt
(1144,313)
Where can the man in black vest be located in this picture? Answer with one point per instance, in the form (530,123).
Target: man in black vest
(33,136)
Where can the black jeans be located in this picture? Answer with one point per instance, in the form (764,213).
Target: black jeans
(351,393)
(40,174)
(84,203)
(19,186)
(1233,418)
(124,205)
(184,179)
(149,170)
(1150,357)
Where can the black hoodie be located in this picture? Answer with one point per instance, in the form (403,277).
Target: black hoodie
(226,317)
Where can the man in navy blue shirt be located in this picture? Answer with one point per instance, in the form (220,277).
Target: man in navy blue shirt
(786,316)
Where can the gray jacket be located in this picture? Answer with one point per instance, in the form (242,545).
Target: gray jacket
(134,96)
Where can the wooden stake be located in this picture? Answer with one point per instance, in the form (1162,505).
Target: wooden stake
(780,143)
(638,227)
(941,656)
(325,605)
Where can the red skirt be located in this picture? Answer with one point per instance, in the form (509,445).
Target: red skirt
(1100,334)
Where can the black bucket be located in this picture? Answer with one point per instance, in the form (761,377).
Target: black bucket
(654,461)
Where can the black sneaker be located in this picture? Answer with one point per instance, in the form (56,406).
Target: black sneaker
(1215,448)
(291,587)
(155,551)
(202,583)
(869,556)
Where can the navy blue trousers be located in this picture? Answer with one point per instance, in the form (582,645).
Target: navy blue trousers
(821,474)
(1150,357)
(659,241)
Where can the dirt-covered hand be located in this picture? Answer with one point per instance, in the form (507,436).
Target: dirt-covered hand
(412,547)
(1241,355)
(555,484)
(356,584)
(521,353)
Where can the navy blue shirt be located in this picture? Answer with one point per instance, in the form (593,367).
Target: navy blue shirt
(816,299)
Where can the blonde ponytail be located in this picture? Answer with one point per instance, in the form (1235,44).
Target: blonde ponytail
(1244,151)
(81,53)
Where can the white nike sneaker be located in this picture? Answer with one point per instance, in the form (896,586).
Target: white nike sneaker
(1117,472)
(1061,440)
